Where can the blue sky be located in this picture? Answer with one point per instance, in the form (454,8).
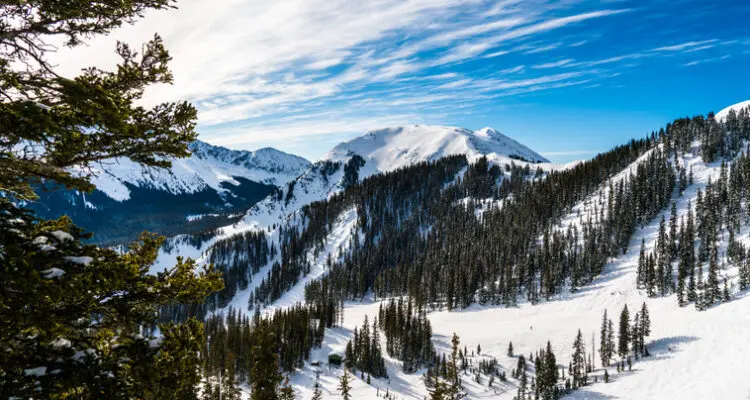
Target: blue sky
(566,78)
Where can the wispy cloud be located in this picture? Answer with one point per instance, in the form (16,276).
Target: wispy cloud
(264,72)
(706,60)
(686,45)
(554,64)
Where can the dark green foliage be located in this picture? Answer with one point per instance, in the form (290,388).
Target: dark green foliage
(447,264)
(578,362)
(334,359)
(317,394)
(238,257)
(547,374)
(62,298)
(264,362)
(91,117)
(363,351)
(286,392)
(78,315)
(606,341)
(344,385)
(408,334)
(623,344)
(351,170)
(280,342)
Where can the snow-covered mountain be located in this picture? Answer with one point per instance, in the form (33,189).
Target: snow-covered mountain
(209,166)
(198,192)
(722,115)
(391,148)
(379,151)
(385,150)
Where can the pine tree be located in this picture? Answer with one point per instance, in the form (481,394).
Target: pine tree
(610,340)
(690,254)
(62,286)
(623,346)
(682,267)
(645,330)
(641,272)
(317,394)
(713,291)
(673,233)
(510,349)
(264,374)
(438,391)
(604,345)
(635,334)
(547,374)
(578,362)
(208,391)
(229,387)
(344,387)
(453,390)
(286,392)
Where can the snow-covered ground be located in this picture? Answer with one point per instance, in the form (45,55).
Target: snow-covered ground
(694,355)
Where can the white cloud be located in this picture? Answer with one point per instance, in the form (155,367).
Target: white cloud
(218,46)
(685,45)
(291,69)
(555,64)
(469,50)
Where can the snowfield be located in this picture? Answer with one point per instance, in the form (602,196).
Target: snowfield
(721,115)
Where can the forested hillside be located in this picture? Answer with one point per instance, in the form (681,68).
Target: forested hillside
(450,235)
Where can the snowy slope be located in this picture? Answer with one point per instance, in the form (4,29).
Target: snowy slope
(391,148)
(694,355)
(208,167)
(319,182)
(721,115)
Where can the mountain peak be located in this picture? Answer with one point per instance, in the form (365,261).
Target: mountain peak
(721,115)
(390,148)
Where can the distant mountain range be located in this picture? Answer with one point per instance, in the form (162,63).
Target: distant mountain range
(197,193)
(217,186)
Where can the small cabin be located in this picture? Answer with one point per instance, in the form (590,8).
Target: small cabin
(334,359)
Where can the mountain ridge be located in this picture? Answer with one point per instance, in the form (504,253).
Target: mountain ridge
(389,148)
(383,150)
(207,167)
(721,115)
(208,189)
